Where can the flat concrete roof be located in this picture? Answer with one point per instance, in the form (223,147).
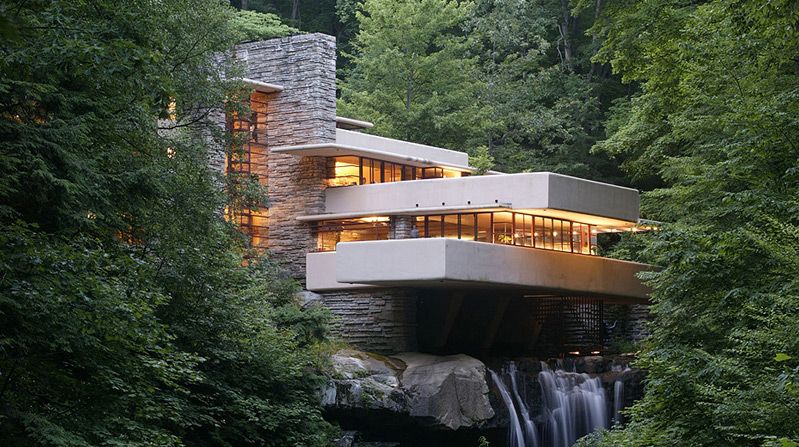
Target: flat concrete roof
(360,144)
(352,124)
(263,87)
(540,193)
(441,262)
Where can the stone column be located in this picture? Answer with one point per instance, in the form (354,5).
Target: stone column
(303,113)
(400,227)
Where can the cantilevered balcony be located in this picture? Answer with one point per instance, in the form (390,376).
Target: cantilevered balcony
(540,193)
(452,263)
(388,149)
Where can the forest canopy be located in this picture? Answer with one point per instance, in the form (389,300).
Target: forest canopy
(126,315)
(128,318)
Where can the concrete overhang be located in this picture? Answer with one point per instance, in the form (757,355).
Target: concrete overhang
(263,87)
(453,263)
(540,193)
(387,149)
(352,124)
(412,212)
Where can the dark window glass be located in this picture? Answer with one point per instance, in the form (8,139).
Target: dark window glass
(451,226)
(468,227)
(484,227)
(434,226)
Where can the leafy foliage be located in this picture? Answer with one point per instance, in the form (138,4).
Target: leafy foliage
(412,72)
(254,25)
(717,123)
(126,315)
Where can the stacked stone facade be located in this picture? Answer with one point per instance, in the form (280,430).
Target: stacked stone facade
(401,227)
(303,113)
(379,320)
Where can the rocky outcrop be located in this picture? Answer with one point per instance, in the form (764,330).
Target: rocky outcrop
(440,392)
(365,381)
(451,391)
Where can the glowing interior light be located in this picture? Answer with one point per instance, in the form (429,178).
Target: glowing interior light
(535,234)
(574,353)
(554,233)
(594,352)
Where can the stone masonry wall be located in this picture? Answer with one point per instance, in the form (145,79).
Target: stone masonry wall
(303,113)
(401,227)
(375,320)
(379,320)
(627,321)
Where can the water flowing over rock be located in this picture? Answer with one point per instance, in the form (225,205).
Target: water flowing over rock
(573,406)
(566,405)
(443,392)
(413,399)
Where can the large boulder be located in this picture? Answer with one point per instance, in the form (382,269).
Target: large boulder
(440,392)
(448,392)
(364,380)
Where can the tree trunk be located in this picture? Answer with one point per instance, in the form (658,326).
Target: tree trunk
(565,33)
(245,5)
(295,11)
(596,68)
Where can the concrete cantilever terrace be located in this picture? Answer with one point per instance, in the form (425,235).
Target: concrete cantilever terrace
(360,144)
(453,263)
(546,193)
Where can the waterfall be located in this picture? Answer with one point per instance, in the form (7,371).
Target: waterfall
(530,433)
(515,436)
(618,400)
(572,405)
(618,394)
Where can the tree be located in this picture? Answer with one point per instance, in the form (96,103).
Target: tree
(716,123)
(252,25)
(412,72)
(546,108)
(126,315)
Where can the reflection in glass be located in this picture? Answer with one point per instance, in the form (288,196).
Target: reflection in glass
(468,227)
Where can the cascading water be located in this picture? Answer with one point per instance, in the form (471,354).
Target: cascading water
(618,394)
(572,405)
(515,436)
(530,433)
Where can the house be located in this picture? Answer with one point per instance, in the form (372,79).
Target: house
(406,245)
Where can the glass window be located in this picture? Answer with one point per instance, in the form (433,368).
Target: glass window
(577,237)
(484,227)
(451,226)
(432,173)
(377,172)
(345,171)
(468,227)
(503,228)
(420,225)
(366,229)
(538,232)
(366,171)
(557,235)
(547,234)
(434,226)
(408,173)
(523,230)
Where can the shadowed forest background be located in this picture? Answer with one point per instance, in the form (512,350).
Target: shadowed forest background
(128,319)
